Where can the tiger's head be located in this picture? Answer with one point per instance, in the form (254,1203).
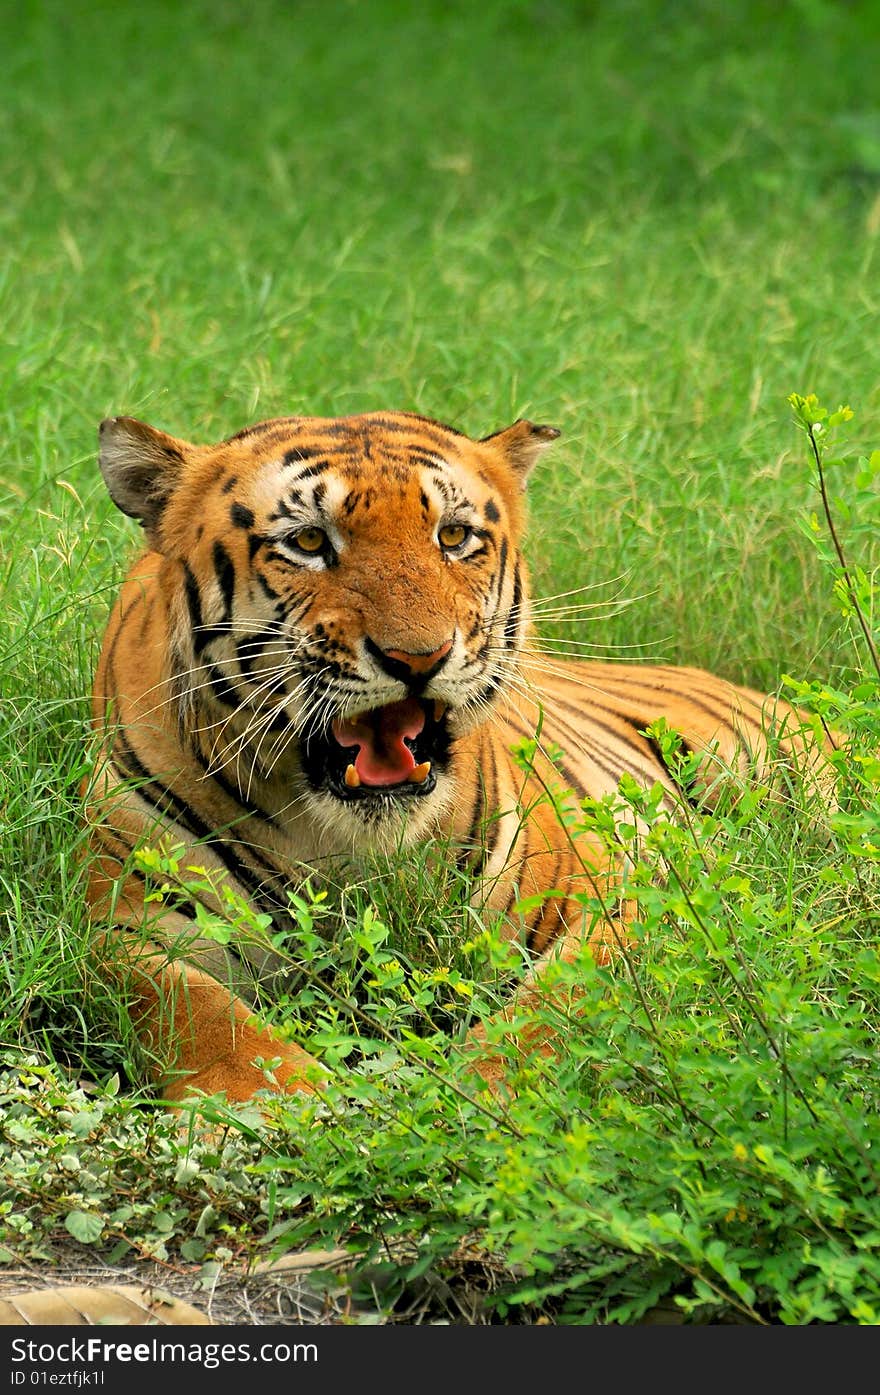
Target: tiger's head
(346,597)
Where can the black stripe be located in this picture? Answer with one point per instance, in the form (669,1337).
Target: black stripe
(488,768)
(318,468)
(129,765)
(166,802)
(552,910)
(241,516)
(502,566)
(572,779)
(548,906)
(473,846)
(201,635)
(601,754)
(512,623)
(477,814)
(299,453)
(225,573)
(147,616)
(272,594)
(251,647)
(404,428)
(110,663)
(722,714)
(418,457)
(218,778)
(223,690)
(657,753)
(173,902)
(638,739)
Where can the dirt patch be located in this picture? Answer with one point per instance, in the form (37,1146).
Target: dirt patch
(306,1289)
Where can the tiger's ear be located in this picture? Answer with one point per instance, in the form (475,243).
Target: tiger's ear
(141,467)
(521,444)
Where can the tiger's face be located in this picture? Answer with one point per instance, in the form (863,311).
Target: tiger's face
(347,598)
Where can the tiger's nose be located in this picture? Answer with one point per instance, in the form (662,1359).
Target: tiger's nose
(421,666)
(420,663)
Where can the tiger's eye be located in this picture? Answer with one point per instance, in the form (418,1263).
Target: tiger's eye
(310,539)
(452,534)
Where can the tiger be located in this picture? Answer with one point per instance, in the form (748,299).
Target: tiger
(327,649)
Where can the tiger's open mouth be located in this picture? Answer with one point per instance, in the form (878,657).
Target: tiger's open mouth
(393,751)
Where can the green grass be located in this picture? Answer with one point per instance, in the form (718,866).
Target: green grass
(645,224)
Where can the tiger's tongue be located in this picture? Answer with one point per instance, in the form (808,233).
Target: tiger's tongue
(383,757)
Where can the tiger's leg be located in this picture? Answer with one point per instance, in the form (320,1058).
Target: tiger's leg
(200,1031)
(216,1039)
(562,930)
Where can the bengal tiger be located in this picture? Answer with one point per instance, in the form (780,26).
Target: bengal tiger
(325,649)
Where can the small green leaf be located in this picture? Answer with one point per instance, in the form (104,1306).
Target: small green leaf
(193,1249)
(84,1226)
(205,1221)
(84,1122)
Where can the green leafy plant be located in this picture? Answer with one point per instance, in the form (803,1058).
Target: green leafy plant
(708,1133)
(95,1166)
